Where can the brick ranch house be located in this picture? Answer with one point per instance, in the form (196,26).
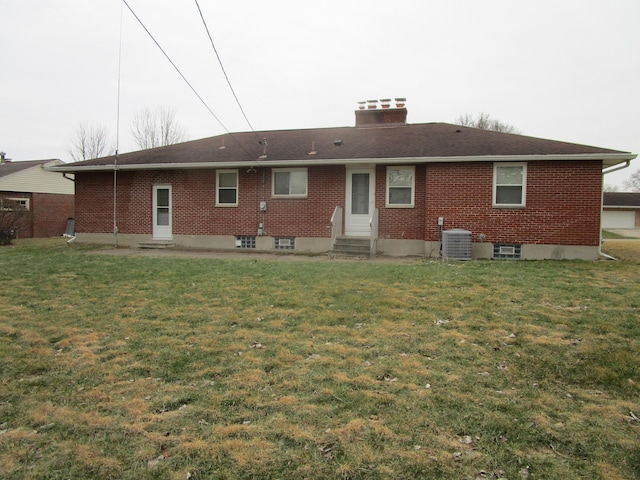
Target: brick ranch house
(398,188)
(46,195)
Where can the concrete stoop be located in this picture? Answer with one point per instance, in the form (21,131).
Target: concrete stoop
(157,244)
(351,247)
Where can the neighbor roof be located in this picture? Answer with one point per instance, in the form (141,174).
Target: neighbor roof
(10,167)
(621,199)
(417,143)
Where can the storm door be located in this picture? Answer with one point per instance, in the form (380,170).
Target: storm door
(162,212)
(360,201)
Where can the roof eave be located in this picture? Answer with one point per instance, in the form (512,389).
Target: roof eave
(608,159)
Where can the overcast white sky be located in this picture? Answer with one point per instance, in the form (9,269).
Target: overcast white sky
(561,69)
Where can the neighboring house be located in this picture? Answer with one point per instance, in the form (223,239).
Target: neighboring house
(47,195)
(621,210)
(402,189)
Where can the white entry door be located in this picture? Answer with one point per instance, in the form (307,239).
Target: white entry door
(360,201)
(162,212)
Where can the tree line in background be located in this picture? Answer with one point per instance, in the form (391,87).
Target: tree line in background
(632,184)
(484,121)
(150,128)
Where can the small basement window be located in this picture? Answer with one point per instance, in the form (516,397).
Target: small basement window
(245,242)
(284,243)
(507,251)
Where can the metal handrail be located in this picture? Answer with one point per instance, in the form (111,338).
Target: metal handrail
(373,225)
(336,224)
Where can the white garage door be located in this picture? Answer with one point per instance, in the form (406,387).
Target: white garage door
(618,219)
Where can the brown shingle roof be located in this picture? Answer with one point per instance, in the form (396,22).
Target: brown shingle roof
(428,140)
(9,168)
(621,199)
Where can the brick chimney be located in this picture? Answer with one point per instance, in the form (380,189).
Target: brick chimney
(381,117)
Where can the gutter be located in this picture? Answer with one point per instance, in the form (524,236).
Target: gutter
(619,167)
(612,158)
(604,172)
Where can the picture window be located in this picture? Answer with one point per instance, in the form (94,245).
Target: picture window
(289,182)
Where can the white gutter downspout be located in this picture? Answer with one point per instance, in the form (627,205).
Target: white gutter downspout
(604,172)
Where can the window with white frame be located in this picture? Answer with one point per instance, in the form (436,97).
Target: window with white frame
(227,188)
(289,182)
(509,184)
(14,204)
(400,186)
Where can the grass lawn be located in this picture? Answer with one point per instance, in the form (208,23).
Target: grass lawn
(606,234)
(193,368)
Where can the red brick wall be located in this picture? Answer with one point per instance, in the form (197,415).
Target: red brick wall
(94,202)
(50,213)
(309,217)
(194,208)
(400,223)
(562,203)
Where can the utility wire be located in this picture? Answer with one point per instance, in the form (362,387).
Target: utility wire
(224,71)
(185,79)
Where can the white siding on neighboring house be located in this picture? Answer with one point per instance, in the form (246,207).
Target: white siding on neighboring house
(37,180)
(618,218)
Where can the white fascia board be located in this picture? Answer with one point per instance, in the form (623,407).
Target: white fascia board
(609,159)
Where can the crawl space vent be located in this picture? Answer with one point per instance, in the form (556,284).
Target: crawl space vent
(507,251)
(456,244)
(284,243)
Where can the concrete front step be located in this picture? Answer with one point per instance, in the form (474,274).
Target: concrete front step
(352,246)
(157,244)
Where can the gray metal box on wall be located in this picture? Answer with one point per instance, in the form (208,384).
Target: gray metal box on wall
(456,244)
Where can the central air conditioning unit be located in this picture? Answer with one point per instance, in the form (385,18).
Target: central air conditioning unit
(456,244)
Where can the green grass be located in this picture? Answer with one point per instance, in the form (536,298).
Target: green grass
(132,367)
(607,235)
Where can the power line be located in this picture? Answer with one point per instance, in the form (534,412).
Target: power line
(185,78)
(174,66)
(223,70)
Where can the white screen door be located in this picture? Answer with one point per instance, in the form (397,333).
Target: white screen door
(360,201)
(162,212)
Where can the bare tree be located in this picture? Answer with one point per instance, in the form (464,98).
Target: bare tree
(156,128)
(90,141)
(633,183)
(13,216)
(611,188)
(485,122)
